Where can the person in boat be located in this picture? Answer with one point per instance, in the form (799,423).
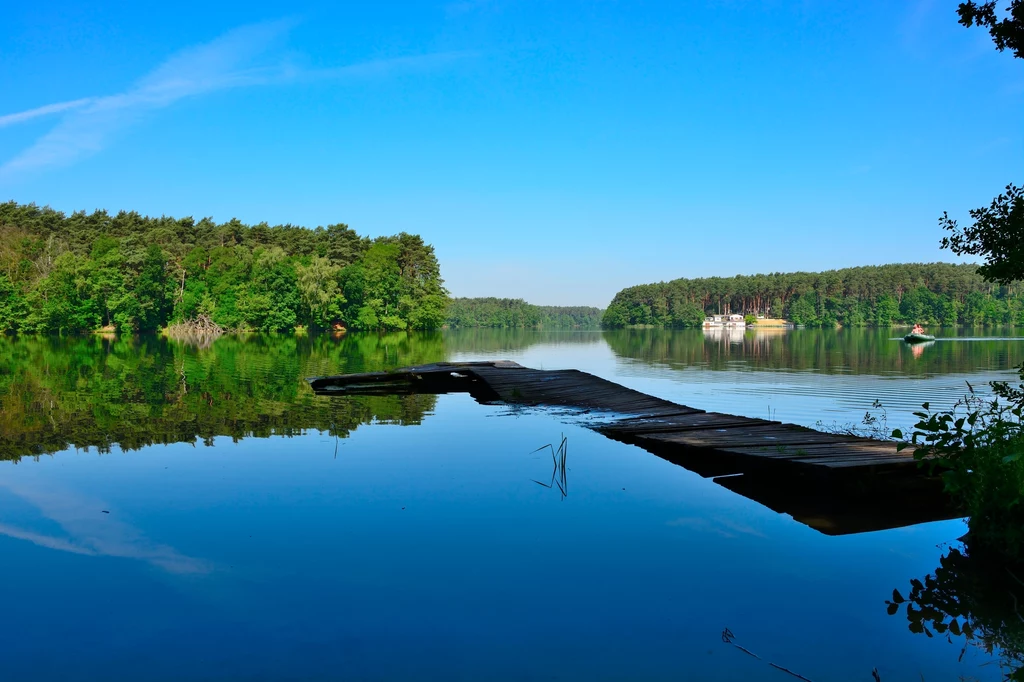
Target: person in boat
(918,329)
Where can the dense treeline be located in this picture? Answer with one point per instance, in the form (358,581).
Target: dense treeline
(514,313)
(79,272)
(560,317)
(883,295)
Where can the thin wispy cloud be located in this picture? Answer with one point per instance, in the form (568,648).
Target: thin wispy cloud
(385,67)
(243,57)
(22,116)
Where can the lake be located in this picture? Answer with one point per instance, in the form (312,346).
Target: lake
(170,512)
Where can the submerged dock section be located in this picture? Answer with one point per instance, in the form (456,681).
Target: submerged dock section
(837,484)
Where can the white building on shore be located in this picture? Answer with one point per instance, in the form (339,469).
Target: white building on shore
(734,320)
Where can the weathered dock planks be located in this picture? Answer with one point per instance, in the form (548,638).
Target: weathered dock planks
(858,478)
(634,415)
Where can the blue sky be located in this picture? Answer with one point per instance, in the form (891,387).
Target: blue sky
(551,151)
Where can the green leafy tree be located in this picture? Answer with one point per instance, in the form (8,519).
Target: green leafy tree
(687,316)
(615,316)
(802,311)
(272,298)
(62,301)
(106,278)
(382,277)
(887,311)
(13,308)
(151,290)
(426,312)
(320,292)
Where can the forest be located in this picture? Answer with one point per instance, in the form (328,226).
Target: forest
(85,271)
(940,294)
(515,313)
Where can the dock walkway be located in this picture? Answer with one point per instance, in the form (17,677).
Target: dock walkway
(787,467)
(634,416)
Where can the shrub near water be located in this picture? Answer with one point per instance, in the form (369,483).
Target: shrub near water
(972,597)
(978,447)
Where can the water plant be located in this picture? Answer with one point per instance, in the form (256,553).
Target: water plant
(559,473)
(874,424)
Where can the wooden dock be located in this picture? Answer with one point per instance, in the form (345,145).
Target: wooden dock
(835,483)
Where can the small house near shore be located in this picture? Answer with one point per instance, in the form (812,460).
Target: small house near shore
(733,320)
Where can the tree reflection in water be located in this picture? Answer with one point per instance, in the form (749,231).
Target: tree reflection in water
(971,601)
(133,392)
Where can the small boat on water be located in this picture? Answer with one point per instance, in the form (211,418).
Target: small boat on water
(917,335)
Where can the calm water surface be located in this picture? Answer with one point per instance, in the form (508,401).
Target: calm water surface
(178,513)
